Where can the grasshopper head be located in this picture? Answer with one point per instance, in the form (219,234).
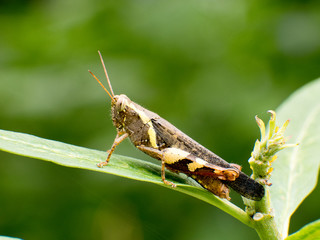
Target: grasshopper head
(119,110)
(123,110)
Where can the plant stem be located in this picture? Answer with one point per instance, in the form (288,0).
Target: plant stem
(264,222)
(261,159)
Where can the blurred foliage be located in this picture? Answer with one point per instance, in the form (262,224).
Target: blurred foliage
(206,66)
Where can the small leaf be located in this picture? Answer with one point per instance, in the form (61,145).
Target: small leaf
(79,157)
(308,232)
(296,169)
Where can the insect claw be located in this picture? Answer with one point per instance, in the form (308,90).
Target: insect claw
(169,183)
(102,164)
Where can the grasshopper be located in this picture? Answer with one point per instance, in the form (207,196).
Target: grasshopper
(177,152)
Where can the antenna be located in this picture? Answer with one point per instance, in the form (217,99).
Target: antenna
(105,71)
(101,85)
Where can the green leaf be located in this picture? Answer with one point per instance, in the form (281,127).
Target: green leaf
(308,232)
(296,169)
(9,238)
(79,157)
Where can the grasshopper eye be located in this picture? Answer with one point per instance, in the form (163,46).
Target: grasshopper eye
(122,107)
(121,104)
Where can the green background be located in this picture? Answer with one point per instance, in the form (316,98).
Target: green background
(206,66)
